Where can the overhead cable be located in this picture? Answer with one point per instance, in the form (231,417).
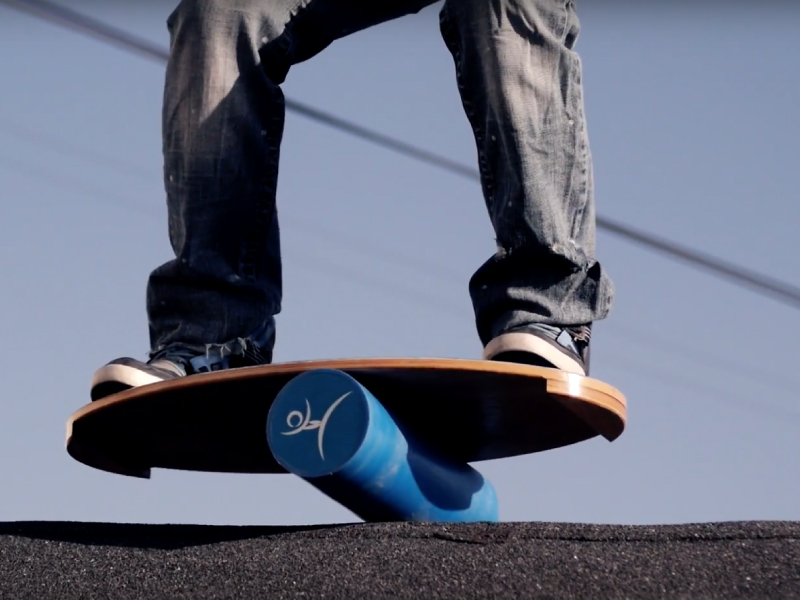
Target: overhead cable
(757,282)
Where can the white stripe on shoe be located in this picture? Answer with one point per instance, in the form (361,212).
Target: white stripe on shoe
(527,342)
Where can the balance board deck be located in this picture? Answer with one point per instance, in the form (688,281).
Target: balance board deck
(467,410)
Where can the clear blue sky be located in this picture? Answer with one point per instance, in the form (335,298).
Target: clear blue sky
(694,127)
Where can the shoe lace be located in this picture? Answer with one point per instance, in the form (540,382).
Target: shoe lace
(192,362)
(580,333)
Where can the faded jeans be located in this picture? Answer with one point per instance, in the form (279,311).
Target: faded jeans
(223,116)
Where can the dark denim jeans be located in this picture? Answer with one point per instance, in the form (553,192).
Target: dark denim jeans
(223,115)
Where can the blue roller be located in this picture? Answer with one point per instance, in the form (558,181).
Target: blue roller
(325,427)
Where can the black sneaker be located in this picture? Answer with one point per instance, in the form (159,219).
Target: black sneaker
(565,348)
(126,373)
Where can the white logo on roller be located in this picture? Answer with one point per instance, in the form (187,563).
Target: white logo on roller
(300,422)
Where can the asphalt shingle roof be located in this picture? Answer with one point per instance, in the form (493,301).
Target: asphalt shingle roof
(403,560)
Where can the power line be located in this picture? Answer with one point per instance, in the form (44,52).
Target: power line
(762,284)
(71,149)
(755,372)
(767,286)
(781,413)
(439,305)
(70,19)
(440,272)
(392,288)
(437,271)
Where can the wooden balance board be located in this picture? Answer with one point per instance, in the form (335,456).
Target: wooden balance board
(462,410)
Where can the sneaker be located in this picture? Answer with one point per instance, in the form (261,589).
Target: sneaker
(126,373)
(565,348)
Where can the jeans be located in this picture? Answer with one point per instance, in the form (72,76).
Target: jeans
(223,114)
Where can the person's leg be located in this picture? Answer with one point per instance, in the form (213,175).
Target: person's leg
(223,123)
(520,82)
(223,117)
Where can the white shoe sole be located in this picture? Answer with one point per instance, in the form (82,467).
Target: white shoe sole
(526,342)
(123,374)
(120,376)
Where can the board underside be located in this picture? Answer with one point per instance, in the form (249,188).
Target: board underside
(465,410)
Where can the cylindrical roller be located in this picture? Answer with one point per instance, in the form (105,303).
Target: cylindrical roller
(325,427)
